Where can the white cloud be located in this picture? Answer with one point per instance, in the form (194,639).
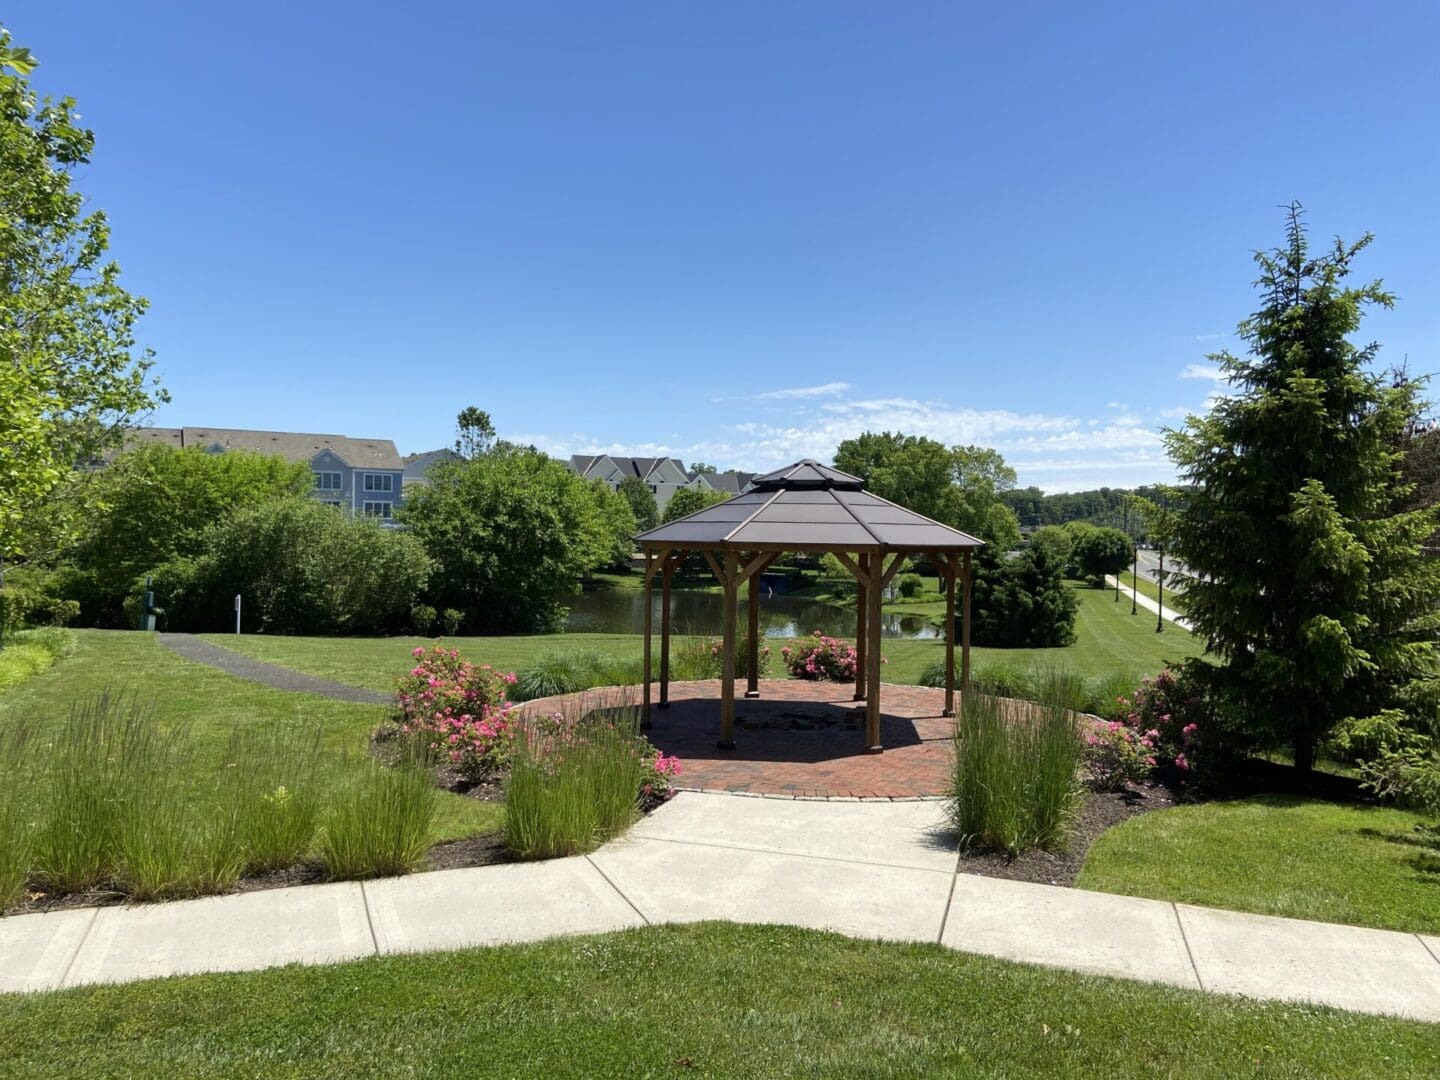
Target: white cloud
(1202,371)
(1208,337)
(792,393)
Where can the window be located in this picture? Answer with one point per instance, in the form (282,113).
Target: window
(379,509)
(654,489)
(379,481)
(327,481)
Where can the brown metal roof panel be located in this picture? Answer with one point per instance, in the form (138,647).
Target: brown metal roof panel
(763,532)
(803,497)
(680,532)
(923,536)
(805,512)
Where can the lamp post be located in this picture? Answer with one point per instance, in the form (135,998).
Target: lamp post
(1135,582)
(1160,585)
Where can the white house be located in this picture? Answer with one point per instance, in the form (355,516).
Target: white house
(664,476)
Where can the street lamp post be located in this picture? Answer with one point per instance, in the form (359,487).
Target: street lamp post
(1135,583)
(1160,585)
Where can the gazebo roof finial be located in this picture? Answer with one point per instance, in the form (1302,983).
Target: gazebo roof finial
(806,474)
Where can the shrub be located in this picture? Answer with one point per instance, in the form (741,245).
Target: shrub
(1013,784)
(1021,602)
(451,619)
(423,616)
(910,586)
(1115,756)
(1167,714)
(820,657)
(456,710)
(378,824)
(574,782)
(302,567)
(1369,737)
(570,671)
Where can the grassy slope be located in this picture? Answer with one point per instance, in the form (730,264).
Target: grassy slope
(705,1000)
(1109,638)
(211,703)
(1174,598)
(1278,855)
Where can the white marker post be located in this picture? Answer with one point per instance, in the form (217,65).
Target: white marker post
(237,613)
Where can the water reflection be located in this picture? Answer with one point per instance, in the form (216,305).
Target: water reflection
(621,611)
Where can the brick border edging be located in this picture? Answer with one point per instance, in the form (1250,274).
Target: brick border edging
(814,798)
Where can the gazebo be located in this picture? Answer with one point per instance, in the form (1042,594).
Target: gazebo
(806,507)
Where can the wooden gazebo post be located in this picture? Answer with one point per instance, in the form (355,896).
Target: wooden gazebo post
(861,625)
(875,587)
(752,645)
(650,564)
(948,566)
(727,670)
(667,572)
(965,632)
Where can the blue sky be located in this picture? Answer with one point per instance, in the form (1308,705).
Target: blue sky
(739,232)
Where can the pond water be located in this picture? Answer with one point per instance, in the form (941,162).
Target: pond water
(621,611)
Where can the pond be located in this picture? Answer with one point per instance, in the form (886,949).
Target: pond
(693,611)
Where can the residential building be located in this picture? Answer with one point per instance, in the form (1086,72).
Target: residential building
(418,466)
(664,475)
(730,483)
(363,475)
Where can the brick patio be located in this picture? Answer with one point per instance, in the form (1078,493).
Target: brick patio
(803,739)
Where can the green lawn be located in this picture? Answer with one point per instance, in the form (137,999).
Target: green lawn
(705,1000)
(1108,637)
(1174,598)
(1278,855)
(210,704)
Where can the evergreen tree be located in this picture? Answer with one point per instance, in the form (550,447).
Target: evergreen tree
(1310,584)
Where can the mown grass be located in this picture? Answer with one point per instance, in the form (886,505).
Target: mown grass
(1174,599)
(30,652)
(709,1000)
(1108,640)
(1279,855)
(212,706)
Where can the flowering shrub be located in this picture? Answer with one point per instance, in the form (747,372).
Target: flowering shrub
(457,710)
(660,769)
(820,657)
(1116,755)
(1165,716)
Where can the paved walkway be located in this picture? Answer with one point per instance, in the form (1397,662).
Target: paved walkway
(282,678)
(800,739)
(1148,604)
(874,870)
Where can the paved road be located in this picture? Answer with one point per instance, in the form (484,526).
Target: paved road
(872,870)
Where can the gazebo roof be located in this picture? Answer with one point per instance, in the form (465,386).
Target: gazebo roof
(808,506)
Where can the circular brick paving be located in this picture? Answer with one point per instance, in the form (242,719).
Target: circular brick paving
(800,739)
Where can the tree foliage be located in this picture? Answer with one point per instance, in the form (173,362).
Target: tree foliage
(509,532)
(69,373)
(1097,551)
(1311,585)
(153,504)
(474,432)
(642,502)
(1021,601)
(958,486)
(301,567)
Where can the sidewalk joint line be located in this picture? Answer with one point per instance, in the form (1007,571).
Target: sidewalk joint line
(369,918)
(1428,949)
(619,891)
(65,975)
(1175,909)
(794,855)
(949,899)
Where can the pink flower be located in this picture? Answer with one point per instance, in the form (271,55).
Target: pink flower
(1181,762)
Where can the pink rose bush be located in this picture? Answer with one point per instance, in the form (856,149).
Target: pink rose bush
(660,772)
(820,657)
(1158,735)
(457,710)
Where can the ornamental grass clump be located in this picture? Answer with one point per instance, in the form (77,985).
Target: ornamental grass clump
(1014,782)
(570,671)
(378,824)
(273,774)
(16,809)
(576,779)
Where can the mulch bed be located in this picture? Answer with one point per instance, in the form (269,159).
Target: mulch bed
(1098,812)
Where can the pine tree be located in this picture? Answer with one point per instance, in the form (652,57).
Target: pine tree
(1311,586)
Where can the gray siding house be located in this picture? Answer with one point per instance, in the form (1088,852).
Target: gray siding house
(363,475)
(418,466)
(664,476)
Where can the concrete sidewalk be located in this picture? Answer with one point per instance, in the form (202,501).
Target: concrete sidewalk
(1149,605)
(881,870)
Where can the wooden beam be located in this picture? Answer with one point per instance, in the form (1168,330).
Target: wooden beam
(714,567)
(968,575)
(756,565)
(872,655)
(653,559)
(862,577)
(849,564)
(752,641)
(727,669)
(895,564)
(650,562)
(948,569)
(667,572)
